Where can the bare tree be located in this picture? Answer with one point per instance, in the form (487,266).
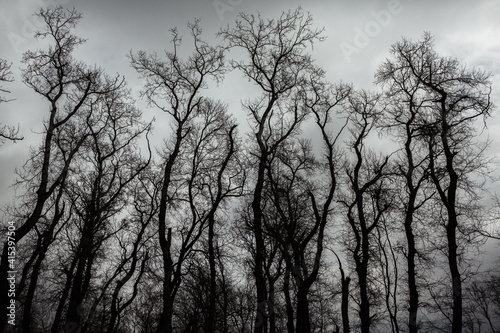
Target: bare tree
(127,264)
(133,260)
(203,139)
(386,237)
(454,97)
(277,64)
(296,196)
(98,189)
(79,220)
(344,307)
(213,176)
(68,86)
(367,198)
(404,118)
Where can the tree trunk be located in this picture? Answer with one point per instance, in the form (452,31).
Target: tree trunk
(211,324)
(272,315)
(362,270)
(455,273)
(289,309)
(42,196)
(345,304)
(260,280)
(303,319)
(410,237)
(79,285)
(165,324)
(165,238)
(449,200)
(26,323)
(412,283)
(64,296)
(452,241)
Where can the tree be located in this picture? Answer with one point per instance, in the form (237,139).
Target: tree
(296,192)
(200,126)
(46,232)
(277,64)
(389,272)
(69,87)
(81,218)
(450,98)
(404,118)
(344,307)
(100,185)
(133,260)
(213,177)
(367,198)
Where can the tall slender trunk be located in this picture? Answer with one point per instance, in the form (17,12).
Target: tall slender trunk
(410,259)
(303,317)
(289,309)
(364,307)
(224,294)
(455,275)
(412,283)
(451,230)
(116,308)
(80,280)
(26,323)
(361,260)
(64,296)
(272,314)
(260,251)
(165,238)
(210,327)
(165,324)
(345,301)
(408,226)
(23,230)
(448,196)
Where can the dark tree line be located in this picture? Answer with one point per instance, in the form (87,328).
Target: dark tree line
(225,228)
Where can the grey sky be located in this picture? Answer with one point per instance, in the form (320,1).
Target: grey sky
(359,34)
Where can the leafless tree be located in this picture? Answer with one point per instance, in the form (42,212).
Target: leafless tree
(404,118)
(484,301)
(69,87)
(366,198)
(453,98)
(98,190)
(277,63)
(294,182)
(203,139)
(133,260)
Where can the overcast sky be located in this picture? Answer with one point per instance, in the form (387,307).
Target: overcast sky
(359,34)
